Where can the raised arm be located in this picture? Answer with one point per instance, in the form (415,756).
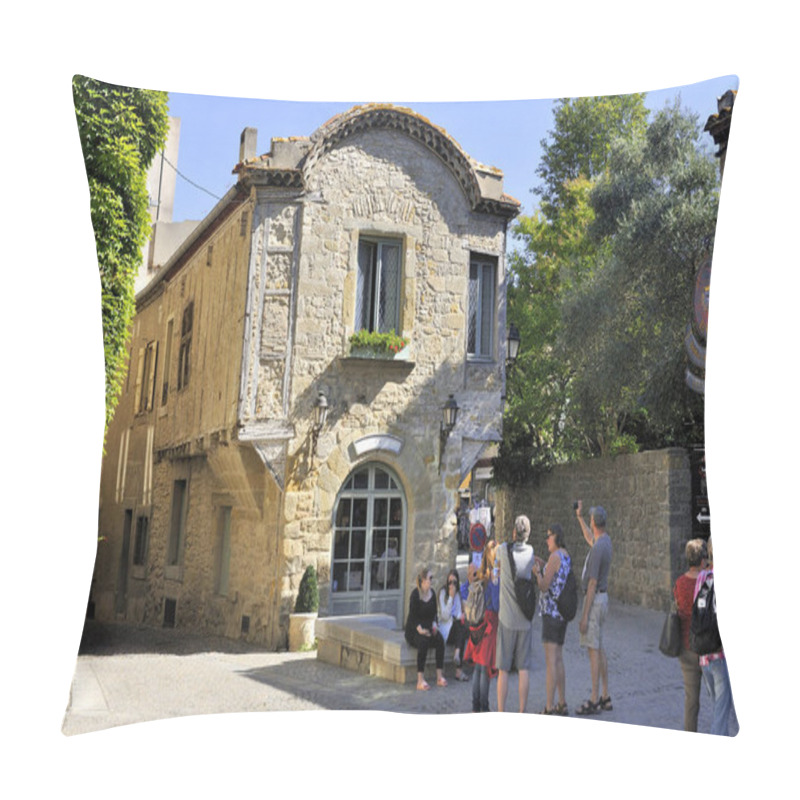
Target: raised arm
(587,533)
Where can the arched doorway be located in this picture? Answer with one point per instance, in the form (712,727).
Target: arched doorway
(369,530)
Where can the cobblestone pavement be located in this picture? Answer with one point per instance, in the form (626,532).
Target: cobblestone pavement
(126,674)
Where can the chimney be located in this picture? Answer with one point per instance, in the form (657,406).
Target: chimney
(247,144)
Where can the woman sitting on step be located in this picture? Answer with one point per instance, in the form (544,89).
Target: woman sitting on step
(422,630)
(451,620)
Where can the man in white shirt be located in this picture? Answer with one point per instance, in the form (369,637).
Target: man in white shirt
(515,630)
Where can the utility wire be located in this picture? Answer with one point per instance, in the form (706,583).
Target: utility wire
(189,180)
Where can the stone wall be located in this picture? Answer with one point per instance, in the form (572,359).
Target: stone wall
(648,500)
(190,434)
(271,279)
(384,184)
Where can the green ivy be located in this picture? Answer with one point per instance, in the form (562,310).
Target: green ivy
(121,129)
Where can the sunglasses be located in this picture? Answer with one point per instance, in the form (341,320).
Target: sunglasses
(452,583)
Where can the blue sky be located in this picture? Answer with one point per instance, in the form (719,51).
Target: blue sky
(503,134)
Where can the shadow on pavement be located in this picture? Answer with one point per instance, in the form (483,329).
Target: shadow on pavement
(342,690)
(116,638)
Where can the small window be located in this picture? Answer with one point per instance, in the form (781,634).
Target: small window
(167,363)
(170,612)
(140,541)
(482,278)
(177,528)
(223,555)
(146,377)
(378,289)
(186,345)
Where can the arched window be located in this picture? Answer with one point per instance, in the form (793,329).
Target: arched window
(368,543)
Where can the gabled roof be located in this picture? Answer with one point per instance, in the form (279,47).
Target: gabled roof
(291,160)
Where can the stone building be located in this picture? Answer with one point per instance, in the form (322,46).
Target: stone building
(218,488)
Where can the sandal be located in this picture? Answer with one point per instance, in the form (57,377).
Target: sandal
(441,682)
(604,704)
(588,708)
(462,677)
(547,713)
(562,710)
(423,687)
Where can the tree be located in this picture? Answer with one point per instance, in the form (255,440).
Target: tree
(656,206)
(121,129)
(580,143)
(557,256)
(601,291)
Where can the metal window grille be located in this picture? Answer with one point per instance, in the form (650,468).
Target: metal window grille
(378,290)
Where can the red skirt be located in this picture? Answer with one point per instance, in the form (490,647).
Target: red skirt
(483,652)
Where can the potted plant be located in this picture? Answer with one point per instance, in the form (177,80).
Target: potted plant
(302,621)
(372,344)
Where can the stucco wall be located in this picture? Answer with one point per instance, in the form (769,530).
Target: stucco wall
(648,500)
(192,437)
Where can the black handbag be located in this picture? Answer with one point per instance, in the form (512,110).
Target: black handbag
(670,644)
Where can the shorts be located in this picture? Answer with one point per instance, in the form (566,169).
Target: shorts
(514,648)
(593,638)
(553,630)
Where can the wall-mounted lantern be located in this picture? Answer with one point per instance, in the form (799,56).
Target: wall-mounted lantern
(512,345)
(449,417)
(320,415)
(512,350)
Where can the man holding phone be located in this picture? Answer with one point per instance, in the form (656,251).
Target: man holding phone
(595,605)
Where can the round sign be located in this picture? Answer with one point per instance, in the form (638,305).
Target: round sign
(477,537)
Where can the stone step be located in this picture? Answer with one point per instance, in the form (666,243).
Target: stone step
(370,644)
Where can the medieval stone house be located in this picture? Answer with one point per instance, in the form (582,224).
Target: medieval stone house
(218,488)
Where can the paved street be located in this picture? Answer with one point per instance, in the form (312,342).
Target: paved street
(126,675)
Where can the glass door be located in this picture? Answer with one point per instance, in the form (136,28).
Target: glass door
(368,544)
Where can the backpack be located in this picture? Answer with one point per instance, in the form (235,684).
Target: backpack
(704,635)
(524,589)
(567,600)
(475,604)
